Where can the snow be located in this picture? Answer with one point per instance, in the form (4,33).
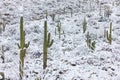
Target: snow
(69,58)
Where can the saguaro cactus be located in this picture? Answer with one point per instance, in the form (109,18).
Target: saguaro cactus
(22,47)
(53,16)
(109,35)
(84,25)
(90,44)
(59,29)
(47,43)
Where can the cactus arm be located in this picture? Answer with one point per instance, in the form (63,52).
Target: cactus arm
(18,46)
(48,40)
(93,45)
(51,43)
(27,45)
(109,35)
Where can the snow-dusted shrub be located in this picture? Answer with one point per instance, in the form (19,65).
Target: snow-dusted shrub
(107,11)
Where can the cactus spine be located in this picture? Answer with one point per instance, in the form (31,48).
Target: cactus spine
(84,25)
(22,47)
(47,43)
(90,43)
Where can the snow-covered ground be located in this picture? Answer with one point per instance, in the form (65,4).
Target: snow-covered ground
(69,58)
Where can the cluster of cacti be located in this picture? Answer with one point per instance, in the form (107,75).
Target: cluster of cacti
(3,57)
(3,75)
(22,47)
(84,25)
(90,43)
(59,29)
(47,43)
(108,35)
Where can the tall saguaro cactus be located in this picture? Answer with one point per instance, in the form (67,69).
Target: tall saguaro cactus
(109,35)
(47,43)
(22,47)
(59,29)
